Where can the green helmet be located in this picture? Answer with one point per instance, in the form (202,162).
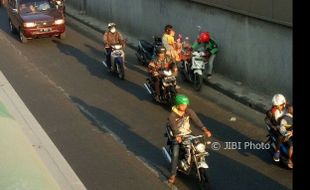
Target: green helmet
(181,99)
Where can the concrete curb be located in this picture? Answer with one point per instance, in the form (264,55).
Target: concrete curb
(261,103)
(242,99)
(39,142)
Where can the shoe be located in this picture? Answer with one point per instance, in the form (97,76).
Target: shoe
(209,76)
(109,70)
(290,164)
(157,99)
(177,87)
(276,156)
(171,179)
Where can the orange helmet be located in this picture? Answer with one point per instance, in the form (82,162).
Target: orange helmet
(204,37)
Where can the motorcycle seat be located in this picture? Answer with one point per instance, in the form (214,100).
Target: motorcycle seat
(147,46)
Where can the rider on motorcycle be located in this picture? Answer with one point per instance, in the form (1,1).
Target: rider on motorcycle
(111,37)
(155,67)
(278,111)
(179,122)
(205,44)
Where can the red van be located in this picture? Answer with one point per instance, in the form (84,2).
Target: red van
(35,19)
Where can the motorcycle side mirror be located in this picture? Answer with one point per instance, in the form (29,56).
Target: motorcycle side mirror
(199,28)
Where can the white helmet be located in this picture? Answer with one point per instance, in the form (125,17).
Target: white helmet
(278,99)
(111,24)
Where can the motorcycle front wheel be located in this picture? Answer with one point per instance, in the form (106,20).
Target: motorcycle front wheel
(197,81)
(204,183)
(120,69)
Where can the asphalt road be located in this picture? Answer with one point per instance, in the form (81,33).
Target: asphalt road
(111,132)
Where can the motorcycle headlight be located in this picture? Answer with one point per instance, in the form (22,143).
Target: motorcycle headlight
(29,24)
(117,47)
(59,21)
(201,148)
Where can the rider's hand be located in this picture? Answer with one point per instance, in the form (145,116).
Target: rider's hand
(207,132)
(178,139)
(290,133)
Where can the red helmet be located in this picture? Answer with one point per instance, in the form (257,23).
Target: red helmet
(204,37)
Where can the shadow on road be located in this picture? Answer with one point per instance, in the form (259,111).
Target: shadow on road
(96,68)
(226,133)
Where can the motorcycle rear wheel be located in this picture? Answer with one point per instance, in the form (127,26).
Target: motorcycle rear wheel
(197,81)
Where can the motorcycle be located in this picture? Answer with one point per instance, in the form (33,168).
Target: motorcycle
(59,4)
(192,69)
(146,51)
(167,88)
(192,155)
(272,141)
(117,61)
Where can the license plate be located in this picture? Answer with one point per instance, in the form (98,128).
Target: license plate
(197,64)
(45,30)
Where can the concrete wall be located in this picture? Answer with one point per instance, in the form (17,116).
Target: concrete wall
(258,53)
(278,11)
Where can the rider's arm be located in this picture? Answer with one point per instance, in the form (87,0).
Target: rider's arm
(105,38)
(195,119)
(121,39)
(195,46)
(152,68)
(173,124)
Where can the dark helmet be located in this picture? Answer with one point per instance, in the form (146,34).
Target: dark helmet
(168,28)
(160,49)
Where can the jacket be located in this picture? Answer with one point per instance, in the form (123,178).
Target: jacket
(180,125)
(110,38)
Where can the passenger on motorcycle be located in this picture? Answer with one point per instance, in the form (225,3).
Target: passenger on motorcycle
(111,37)
(171,46)
(206,44)
(169,42)
(286,131)
(278,110)
(156,66)
(179,122)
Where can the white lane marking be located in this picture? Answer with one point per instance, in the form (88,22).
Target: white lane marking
(103,62)
(147,88)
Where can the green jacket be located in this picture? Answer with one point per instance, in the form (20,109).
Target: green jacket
(211,46)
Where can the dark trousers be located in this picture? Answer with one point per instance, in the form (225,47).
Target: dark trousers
(156,80)
(175,157)
(108,57)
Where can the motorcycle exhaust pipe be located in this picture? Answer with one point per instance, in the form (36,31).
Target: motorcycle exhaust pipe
(147,88)
(166,154)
